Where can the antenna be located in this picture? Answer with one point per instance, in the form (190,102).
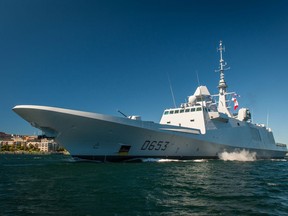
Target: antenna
(267,120)
(197,78)
(222,102)
(222,64)
(172,94)
(202,105)
(199,86)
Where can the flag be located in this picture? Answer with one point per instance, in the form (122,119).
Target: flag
(235,103)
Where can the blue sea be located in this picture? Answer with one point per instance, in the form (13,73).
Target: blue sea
(57,185)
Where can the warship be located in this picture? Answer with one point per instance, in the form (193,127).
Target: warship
(201,128)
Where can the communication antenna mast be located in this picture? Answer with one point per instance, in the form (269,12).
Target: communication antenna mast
(201,96)
(199,87)
(222,104)
(267,120)
(198,81)
(222,84)
(172,94)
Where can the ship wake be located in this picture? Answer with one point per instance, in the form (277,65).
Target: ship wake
(158,160)
(238,155)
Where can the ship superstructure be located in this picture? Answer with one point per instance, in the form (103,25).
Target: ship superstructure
(203,127)
(202,107)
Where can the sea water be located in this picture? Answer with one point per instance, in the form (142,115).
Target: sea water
(57,185)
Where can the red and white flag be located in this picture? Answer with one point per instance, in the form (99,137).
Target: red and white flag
(235,103)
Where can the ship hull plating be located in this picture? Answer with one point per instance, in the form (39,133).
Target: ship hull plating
(98,137)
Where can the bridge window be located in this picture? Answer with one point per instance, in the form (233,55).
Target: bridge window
(193,110)
(187,110)
(166,112)
(171,111)
(176,111)
(198,109)
(182,110)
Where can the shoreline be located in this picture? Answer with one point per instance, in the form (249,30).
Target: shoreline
(32,153)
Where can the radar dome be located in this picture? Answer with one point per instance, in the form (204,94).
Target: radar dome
(192,99)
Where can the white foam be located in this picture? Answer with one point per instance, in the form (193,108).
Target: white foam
(200,160)
(271,184)
(279,160)
(238,156)
(158,160)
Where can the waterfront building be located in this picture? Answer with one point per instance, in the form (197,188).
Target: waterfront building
(48,145)
(24,143)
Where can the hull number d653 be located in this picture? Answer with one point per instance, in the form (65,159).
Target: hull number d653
(155,145)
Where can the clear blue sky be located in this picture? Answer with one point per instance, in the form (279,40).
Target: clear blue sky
(100,56)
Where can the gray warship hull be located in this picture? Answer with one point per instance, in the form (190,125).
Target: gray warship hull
(92,136)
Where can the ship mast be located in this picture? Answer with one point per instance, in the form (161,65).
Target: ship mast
(222,104)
